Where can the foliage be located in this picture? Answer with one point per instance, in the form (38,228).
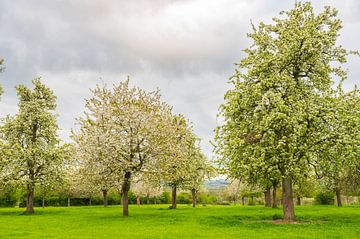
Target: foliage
(183,198)
(325,198)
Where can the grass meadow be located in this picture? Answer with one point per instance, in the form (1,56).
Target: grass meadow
(157,221)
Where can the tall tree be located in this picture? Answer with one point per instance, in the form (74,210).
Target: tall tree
(272,114)
(32,140)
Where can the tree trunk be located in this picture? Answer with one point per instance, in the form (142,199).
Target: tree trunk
(243,200)
(193,193)
(69,201)
(105,196)
(147,198)
(43,202)
(267,197)
(30,199)
(274,197)
(90,201)
(125,192)
(298,201)
(338,197)
(138,200)
(288,202)
(173,197)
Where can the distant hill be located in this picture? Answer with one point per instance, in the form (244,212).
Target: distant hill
(216,184)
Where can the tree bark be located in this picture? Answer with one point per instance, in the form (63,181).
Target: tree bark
(274,197)
(90,201)
(30,199)
(173,197)
(267,197)
(338,197)
(243,200)
(125,194)
(43,202)
(69,201)
(288,202)
(193,193)
(105,196)
(298,201)
(138,200)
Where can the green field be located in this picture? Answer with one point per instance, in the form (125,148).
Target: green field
(185,222)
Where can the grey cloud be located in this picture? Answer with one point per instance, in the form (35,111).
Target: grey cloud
(186,48)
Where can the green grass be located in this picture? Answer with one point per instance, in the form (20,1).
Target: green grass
(185,222)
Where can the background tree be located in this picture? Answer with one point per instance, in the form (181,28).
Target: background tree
(198,170)
(274,112)
(94,152)
(343,145)
(31,139)
(175,166)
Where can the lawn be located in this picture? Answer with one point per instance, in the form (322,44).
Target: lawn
(185,222)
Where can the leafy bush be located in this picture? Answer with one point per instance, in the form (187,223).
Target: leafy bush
(183,198)
(324,198)
(165,198)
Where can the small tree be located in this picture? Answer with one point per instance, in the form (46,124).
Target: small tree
(176,165)
(198,171)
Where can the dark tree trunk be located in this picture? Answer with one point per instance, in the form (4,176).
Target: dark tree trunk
(298,201)
(193,193)
(69,201)
(125,194)
(105,196)
(30,199)
(173,197)
(243,200)
(89,201)
(288,202)
(268,197)
(274,197)
(338,197)
(43,202)
(138,200)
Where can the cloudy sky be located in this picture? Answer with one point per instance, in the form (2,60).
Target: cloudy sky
(187,48)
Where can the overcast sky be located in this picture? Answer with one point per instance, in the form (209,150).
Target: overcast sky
(187,48)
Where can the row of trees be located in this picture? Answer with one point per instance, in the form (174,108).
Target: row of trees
(284,120)
(126,135)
